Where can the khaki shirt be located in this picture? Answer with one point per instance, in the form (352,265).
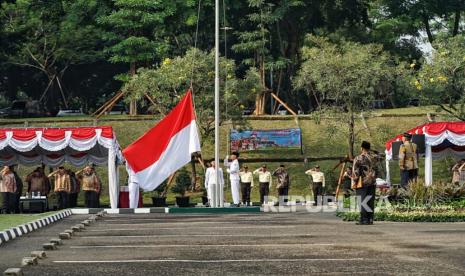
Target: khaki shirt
(62,183)
(318,177)
(408,158)
(263,176)
(89,182)
(246,177)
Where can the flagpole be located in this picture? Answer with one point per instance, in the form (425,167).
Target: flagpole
(217,201)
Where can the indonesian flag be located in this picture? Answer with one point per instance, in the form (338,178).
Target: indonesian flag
(165,148)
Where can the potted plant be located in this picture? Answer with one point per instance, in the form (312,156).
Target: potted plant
(159,195)
(183,181)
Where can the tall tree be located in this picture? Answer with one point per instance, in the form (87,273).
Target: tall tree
(51,36)
(349,76)
(137,32)
(442,80)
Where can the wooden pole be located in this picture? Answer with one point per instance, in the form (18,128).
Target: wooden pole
(105,104)
(283,103)
(339,182)
(110,105)
(170,180)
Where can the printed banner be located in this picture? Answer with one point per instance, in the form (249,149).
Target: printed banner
(272,139)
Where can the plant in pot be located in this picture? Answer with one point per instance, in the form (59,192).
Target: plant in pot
(183,181)
(159,195)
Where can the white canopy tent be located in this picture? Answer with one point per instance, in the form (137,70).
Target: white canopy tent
(55,146)
(442,139)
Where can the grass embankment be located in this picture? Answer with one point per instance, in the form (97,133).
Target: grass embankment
(9,221)
(321,138)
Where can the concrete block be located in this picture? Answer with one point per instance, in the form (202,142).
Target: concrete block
(85,223)
(29,261)
(13,272)
(76,228)
(49,246)
(56,241)
(38,254)
(69,231)
(64,236)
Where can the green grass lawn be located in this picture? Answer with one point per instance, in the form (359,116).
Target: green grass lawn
(323,138)
(9,221)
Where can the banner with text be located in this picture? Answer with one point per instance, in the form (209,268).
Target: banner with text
(270,139)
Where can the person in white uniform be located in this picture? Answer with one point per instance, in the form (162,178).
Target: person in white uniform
(233,170)
(210,182)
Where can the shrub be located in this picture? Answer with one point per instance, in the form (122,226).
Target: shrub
(183,181)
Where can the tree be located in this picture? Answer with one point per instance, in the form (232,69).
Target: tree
(436,18)
(348,77)
(137,29)
(441,81)
(52,36)
(167,82)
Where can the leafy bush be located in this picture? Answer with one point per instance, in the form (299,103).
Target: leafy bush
(183,181)
(160,191)
(411,216)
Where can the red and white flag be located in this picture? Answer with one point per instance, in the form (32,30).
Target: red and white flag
(165,148)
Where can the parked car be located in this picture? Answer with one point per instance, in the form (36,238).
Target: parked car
(4,112)
(26,108)
(70,112)
(118,109)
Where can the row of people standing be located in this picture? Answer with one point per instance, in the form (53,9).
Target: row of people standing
(242,180)
(67,186)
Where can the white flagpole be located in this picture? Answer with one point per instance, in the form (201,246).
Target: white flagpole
(218,201)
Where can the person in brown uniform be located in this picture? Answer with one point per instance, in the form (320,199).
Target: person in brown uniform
(38,182)
(91,185)
(8,190)
(62,186)
(283,183)
(408,161)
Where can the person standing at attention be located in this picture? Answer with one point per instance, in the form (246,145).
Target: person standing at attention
(210,182)
(283,183)
(246,185)
(8,190)
(233,170)
(319,183)
(264,179)
(62,186)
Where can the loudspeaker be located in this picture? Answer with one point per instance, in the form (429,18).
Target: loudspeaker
(419,139)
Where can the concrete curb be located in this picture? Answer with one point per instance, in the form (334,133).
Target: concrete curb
(166,210)
(13,233)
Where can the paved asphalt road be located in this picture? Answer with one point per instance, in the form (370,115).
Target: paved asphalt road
(263,243)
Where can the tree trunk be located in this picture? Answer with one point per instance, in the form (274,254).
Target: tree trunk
(455,31)
(351,133)
(428,28)
(133,103)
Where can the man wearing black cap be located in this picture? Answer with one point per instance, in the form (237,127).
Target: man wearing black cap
(364,176)
(408,160)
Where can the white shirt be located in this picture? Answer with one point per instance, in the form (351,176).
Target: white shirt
(246,177)
(210,177)
(233,169)
(263,176)
(318,177)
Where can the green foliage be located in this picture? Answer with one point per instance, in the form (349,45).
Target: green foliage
(136,29)
(182,183)
(414,216)
(347,76)
(441,81)
(167,82)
